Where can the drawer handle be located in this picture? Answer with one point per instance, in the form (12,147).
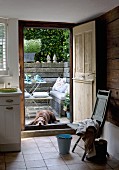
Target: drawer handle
(9,108)
(9,100)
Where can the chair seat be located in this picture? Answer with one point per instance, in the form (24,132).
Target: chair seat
(40,94)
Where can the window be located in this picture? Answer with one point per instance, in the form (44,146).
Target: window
(3,47)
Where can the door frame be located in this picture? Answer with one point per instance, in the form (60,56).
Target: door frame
(38,24)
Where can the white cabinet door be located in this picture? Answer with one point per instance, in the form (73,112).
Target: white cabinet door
(9,124)
(84,70)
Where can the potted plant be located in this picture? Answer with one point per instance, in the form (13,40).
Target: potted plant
(66,105)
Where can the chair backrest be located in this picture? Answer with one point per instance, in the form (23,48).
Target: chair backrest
(100,108)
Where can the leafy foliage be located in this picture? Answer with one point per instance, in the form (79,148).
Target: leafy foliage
(32,46)
(53,41)
(66,104)
(40,57)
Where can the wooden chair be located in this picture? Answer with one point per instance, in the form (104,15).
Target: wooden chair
(98,114)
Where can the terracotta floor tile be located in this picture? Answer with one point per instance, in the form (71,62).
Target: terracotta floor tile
(55,143)
(14,158)
(42,139)
(42,153)
(29,145)
(57,167)
(27,140)
(113,163)
(35,164)
(48,155)
(52,162)
(45,144)
(47,149)
(70,156)
(72,160)
(30,150)
(15,165)
(98,166)
(33,156)
(78,167)
(52,138)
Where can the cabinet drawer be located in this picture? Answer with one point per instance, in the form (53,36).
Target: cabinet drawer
(9,100)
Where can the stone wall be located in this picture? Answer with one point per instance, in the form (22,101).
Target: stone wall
(48,71)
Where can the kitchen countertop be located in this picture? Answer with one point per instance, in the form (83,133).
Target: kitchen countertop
(11,93)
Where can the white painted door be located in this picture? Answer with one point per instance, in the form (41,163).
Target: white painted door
(84,71)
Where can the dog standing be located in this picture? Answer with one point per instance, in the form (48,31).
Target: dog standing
(44,117)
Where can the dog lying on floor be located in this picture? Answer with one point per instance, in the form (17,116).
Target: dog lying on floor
(44,117)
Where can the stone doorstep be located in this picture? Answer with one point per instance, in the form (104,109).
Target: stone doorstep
(47,132)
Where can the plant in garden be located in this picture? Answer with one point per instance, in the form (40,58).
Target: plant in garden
(66,104)
(53,41)
(32,46)
(40,57)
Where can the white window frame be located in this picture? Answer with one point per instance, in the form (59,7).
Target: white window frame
(5,69)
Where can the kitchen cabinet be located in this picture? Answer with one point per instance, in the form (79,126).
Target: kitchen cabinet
(10,130)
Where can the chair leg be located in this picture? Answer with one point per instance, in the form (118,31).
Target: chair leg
(83,156)
(76,144)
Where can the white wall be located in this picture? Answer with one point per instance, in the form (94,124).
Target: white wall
(13,54)
(111,134)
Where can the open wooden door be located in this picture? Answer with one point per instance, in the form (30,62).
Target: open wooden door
(84,71)
(37,24)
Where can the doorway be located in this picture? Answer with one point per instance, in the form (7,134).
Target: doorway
(39,25)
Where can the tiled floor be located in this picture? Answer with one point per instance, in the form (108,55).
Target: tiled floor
(41,153)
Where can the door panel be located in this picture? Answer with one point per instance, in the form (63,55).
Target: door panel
(79,54)
(88,52)
(84,71)
(81,99)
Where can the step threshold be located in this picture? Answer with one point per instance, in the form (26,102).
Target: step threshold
(46,132)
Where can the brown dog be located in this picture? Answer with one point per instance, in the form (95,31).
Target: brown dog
(44,117)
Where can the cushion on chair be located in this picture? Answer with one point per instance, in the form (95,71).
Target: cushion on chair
(58,95)
(59,83)
(40,94)
(63,88)
(27,95)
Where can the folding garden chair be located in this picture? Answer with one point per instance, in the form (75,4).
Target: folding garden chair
(98,114)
